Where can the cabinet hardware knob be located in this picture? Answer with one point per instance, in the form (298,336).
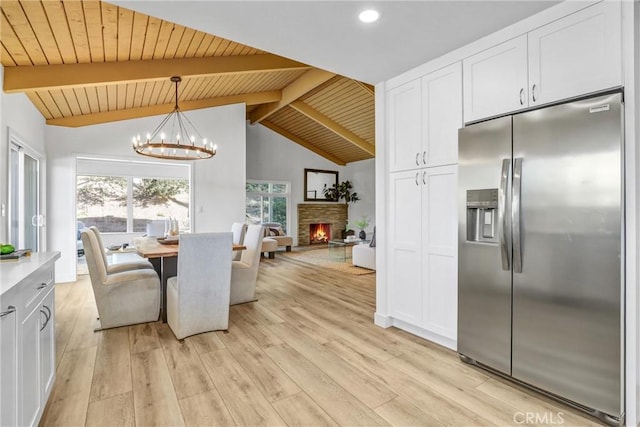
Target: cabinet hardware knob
(522,96)
(533,92)
(10,309)
(417,175)
(42,286)
(424,157)
(424,177)
(417,159)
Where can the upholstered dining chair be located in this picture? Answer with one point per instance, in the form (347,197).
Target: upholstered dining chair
(133,264)
(239,230)
(198,297)
(124,297)
(244,273)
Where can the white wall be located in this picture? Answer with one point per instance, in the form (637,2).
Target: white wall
(218,183)
(271,156)
(363,176)
(19,114)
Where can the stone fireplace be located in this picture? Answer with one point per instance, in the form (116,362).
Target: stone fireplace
(319,233)
(333,216)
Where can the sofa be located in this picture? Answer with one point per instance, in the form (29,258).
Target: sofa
(364,254)
(274,230)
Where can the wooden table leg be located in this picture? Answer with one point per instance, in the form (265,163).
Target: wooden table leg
(157,266)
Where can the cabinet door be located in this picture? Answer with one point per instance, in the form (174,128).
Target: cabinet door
(440,237)
(8,362)
(405,262)
(576,55)
(29,373)
(495,80)
(441,115)
(47,345)
(404,126)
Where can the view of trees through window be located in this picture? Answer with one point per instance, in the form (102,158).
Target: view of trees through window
(119,204)
(267,202)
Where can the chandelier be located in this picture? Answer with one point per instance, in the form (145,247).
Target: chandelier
(175,138)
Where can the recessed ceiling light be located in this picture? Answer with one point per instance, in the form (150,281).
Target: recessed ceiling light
(369,15)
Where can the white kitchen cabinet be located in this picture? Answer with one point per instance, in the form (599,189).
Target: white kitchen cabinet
(47,344)
(423,249)
(9,360)
(404,126)
(27,342)
(441,115)
(405,246)
(495,80)
(440,249)
(576,55)
(423,118)
(29,372)
(572,56)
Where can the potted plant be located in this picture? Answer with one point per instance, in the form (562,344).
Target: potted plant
(343,190)
(361,224)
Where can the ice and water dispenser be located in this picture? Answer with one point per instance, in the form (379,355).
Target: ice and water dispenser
(482,215)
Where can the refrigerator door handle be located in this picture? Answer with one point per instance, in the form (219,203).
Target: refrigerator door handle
(502,213)
(515,216)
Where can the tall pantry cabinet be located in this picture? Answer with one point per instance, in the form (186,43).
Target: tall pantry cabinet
(422,121)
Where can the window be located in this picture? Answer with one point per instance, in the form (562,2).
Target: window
(268,202)
(123,197)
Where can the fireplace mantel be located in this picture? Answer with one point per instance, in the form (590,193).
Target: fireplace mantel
(312,213)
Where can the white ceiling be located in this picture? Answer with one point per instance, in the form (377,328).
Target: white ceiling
(328,34)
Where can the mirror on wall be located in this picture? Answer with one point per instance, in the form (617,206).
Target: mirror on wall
(315,180)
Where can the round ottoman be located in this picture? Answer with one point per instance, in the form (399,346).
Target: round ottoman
(269,246)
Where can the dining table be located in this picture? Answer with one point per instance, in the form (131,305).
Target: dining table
(164,259)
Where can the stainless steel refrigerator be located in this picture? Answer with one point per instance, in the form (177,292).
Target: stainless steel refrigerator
(541,250)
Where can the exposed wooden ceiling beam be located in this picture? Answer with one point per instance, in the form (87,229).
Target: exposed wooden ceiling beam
(302,85)
(302,142)
(38,77)
(366,86)
(152,110)
(334,127)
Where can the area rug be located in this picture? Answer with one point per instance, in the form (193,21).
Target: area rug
(322,258)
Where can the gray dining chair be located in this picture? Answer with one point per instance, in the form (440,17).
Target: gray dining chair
(198,297)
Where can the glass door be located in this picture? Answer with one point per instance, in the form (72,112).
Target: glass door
(24,198)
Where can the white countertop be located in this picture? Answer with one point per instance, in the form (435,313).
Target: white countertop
(13,272)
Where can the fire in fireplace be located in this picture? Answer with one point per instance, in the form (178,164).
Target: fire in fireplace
(319,233)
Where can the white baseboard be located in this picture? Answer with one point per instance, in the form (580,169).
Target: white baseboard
(423,333)
(382,320)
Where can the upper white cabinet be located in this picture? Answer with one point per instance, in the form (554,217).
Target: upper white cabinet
(404,126)
(423,118)
(576,55)
(441,115)
(572,56)
(495,80)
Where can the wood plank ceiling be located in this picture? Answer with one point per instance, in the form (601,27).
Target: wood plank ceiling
(88,62)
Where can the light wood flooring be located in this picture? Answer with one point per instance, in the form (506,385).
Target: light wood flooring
(305,354)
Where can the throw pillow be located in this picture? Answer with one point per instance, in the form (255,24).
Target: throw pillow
(373,239)
(281,231)
(273,232)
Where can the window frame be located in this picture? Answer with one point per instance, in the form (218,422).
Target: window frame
(156,175)
(286,195)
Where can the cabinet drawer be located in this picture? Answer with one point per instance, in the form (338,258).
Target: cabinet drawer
(36,286)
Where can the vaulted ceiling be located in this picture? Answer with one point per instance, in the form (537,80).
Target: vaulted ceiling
(89,62)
